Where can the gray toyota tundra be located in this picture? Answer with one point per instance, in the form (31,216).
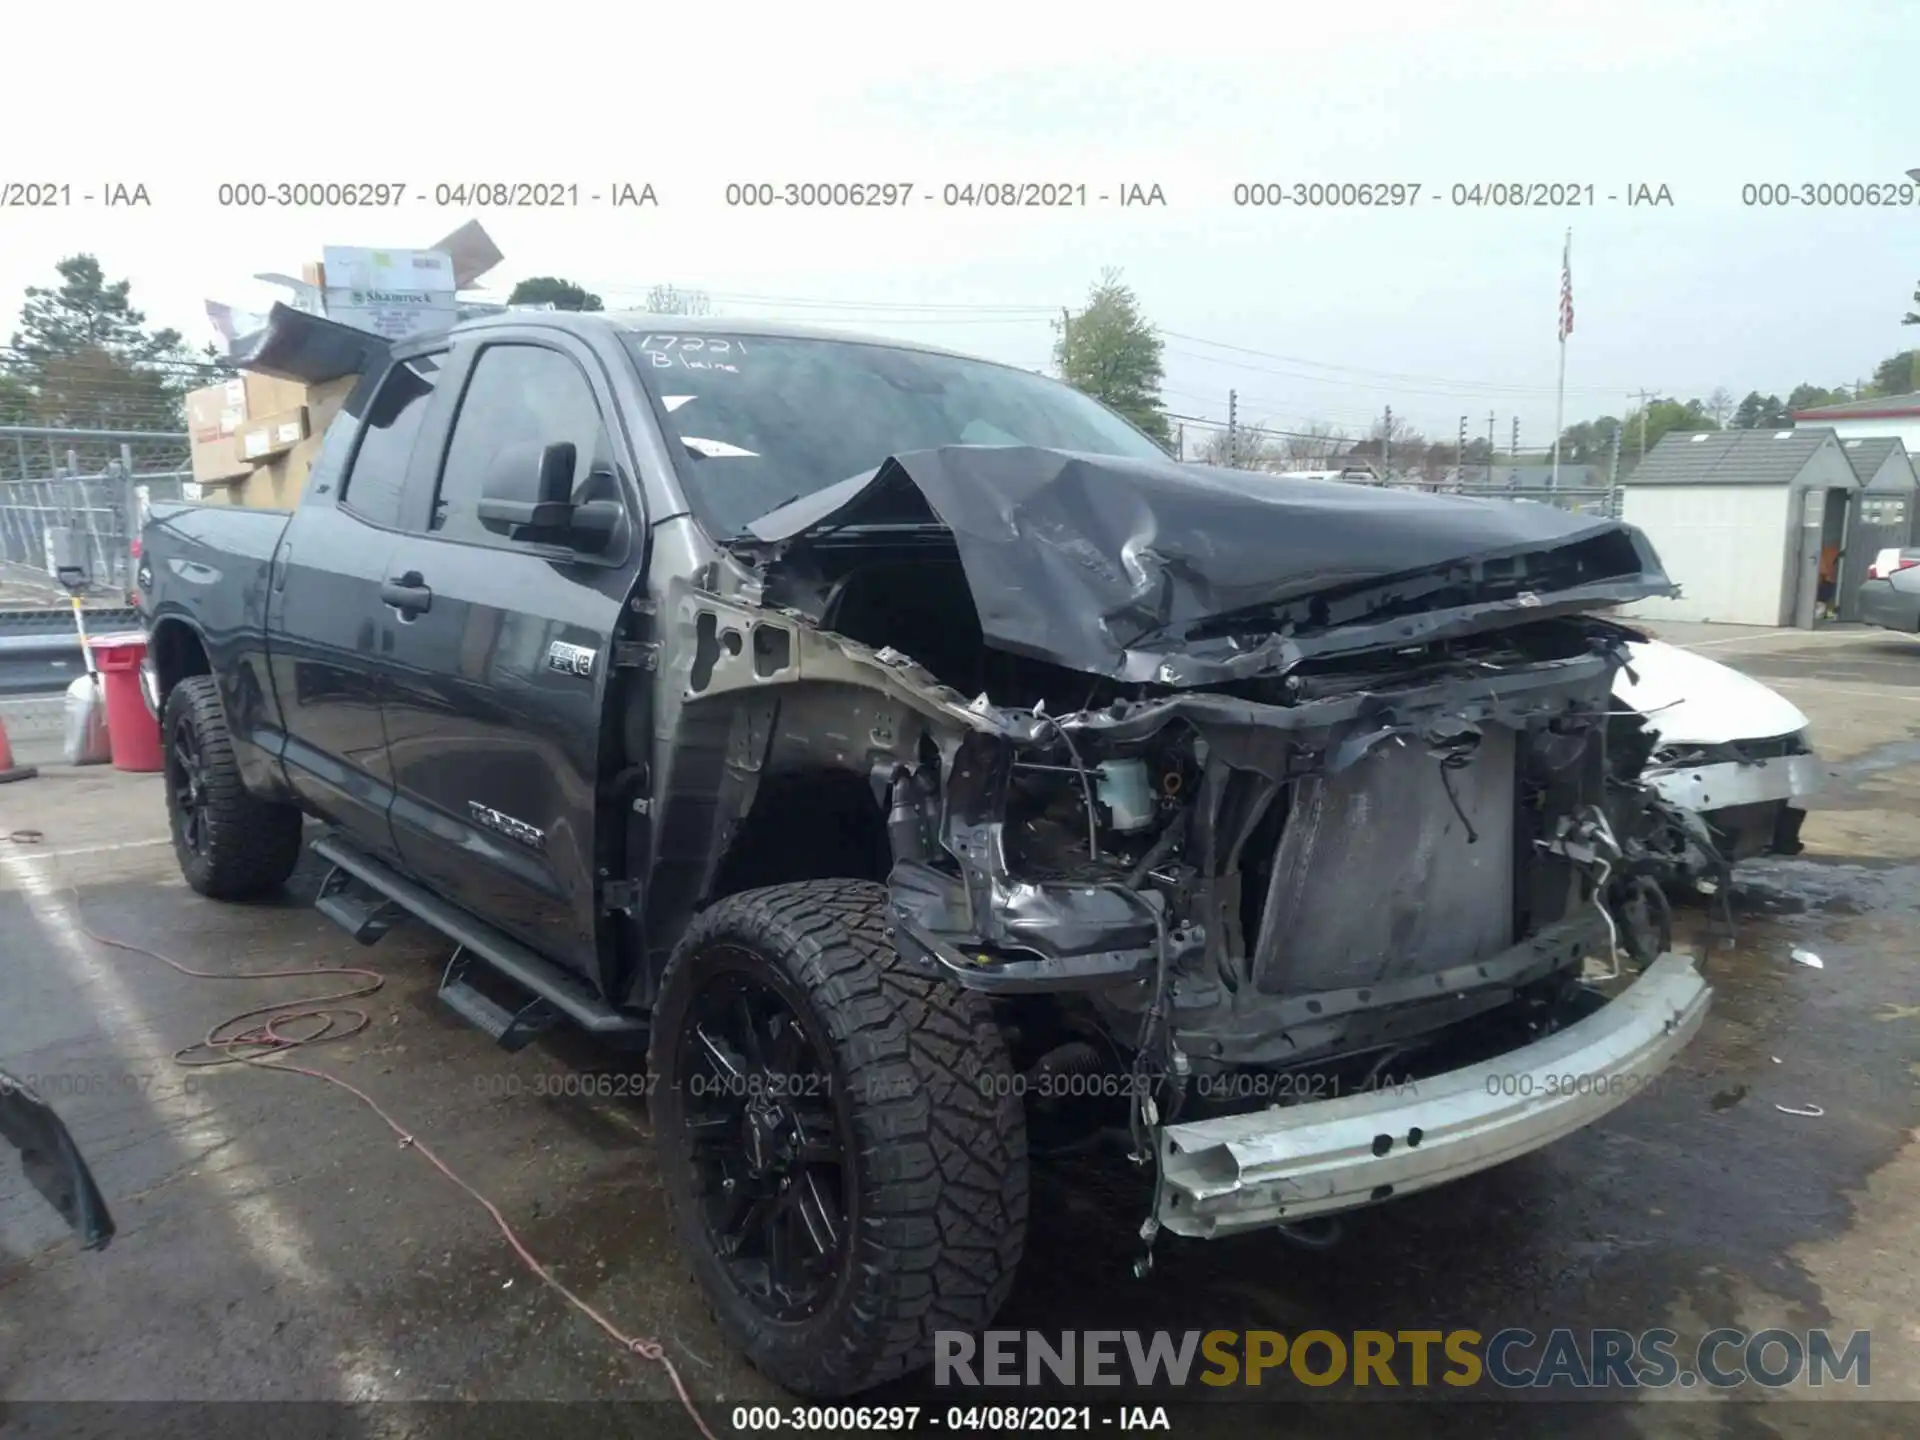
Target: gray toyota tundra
(937,776)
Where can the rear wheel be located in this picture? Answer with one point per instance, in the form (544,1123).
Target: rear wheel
(841,1145)
(231,844)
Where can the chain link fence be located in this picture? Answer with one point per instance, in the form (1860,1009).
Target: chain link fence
(1582,500)
(1282,453)
(93,483)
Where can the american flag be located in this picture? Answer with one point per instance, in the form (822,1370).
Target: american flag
(1566,289)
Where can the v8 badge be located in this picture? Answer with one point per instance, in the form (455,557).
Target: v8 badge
(570,659)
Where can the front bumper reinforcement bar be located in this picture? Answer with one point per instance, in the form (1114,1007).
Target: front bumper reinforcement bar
(1279,1165)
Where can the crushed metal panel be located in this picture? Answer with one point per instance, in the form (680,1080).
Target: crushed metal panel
(1375,877)
(1101,564)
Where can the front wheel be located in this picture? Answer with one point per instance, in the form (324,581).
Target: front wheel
(841,1145)
(231,844)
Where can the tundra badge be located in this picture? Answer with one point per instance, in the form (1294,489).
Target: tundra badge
(570,659)
(489,818)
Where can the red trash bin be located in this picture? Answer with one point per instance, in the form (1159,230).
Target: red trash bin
(133,735)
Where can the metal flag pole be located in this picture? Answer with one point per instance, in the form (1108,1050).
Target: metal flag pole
(1566,328)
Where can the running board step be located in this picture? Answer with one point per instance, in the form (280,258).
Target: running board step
(510,1029)
(564,993)
(365,916)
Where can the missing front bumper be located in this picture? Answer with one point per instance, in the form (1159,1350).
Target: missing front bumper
(1280,1165)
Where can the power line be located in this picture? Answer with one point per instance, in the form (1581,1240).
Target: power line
(832,311)
(1452,390)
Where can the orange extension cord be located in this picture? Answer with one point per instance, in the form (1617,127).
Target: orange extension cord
(235,1041)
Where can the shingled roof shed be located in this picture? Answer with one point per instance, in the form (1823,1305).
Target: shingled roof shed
(1742,519)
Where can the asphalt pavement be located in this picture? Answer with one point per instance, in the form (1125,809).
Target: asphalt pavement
(279,1243)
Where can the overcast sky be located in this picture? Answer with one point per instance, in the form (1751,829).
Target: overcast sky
(1436,310)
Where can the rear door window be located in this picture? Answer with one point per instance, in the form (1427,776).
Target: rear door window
(377,474)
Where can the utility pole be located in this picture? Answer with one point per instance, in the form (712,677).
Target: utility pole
(1490,447)
(1460,456)
(1645,397)
(1613,476)
(1386,445)
(1513,449)
(1233,428)
(1180,441)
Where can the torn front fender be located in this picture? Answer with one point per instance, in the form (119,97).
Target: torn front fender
(52,1162)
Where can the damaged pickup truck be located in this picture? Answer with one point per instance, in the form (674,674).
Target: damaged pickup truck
(937,775)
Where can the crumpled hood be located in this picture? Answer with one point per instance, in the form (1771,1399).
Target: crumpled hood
(1104,564)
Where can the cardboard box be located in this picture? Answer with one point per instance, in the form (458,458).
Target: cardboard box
(277,482)
(355,267)
(395,293)
(217,413)
(220,410)
(272,435)
(216,410)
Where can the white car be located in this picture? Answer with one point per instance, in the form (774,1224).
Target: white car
(1726,748)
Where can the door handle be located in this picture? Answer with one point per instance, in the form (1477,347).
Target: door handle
(407,593)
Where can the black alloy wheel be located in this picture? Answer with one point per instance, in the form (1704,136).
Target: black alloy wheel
(765,1136)
(842,1145)
(186,779)
(231,843)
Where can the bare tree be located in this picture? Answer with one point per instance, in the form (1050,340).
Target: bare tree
(1402,449)
(1316,447)
(1720,405)
(1242,449)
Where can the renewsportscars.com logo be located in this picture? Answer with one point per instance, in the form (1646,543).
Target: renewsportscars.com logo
(1511,1359)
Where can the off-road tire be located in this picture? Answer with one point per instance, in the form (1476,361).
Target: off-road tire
(251,845)
(935,1128)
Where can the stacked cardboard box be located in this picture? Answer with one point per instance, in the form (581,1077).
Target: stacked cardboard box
(263,461)
(254,439)
(218,414)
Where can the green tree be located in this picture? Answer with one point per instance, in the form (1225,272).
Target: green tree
(85,313)
(83,357)
(1812,397)
(551,290)
(670,300)
(1110,352)
(1897,374)
(16,397)
(1588,443)
(1762,412)
(1662,418)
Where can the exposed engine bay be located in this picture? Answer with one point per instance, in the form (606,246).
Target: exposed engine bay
(1313,777)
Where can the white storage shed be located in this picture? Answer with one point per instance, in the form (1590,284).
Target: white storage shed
(1882,513)
(1740,518)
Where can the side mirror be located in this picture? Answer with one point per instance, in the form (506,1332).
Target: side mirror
(543,518)
(552,518)
(594,525)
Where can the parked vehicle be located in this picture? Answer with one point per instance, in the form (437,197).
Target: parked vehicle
(910,749)
(1890,595)
(52,1163)
(1725,748)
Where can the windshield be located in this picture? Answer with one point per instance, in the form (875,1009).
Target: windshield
(758,421)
